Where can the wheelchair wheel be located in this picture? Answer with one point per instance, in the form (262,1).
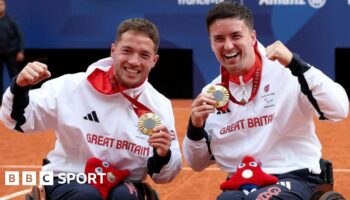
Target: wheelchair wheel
(332,196)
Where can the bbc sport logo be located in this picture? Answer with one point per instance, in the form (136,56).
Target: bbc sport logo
(15,178)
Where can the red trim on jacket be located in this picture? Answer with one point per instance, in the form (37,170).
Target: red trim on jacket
(104,81)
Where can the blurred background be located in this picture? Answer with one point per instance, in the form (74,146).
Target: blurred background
(68,35)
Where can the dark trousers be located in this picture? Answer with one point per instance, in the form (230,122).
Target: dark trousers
(298,185)
(76,191)
(8,59)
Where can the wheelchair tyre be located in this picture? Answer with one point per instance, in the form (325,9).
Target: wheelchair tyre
(332,196)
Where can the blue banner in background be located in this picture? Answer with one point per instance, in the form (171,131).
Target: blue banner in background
(311,28)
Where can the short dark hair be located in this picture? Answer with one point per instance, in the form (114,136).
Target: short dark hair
(230,9)
(140,25)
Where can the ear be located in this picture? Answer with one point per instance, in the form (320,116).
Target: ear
(253,37)
(211,44)
(155,60)
(113,49)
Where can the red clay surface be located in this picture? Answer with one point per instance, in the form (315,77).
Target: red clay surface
(24,152)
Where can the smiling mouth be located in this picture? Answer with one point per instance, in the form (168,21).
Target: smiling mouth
(231,55)
(132,71)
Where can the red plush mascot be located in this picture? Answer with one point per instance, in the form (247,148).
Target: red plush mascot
(248,177)
(110,178)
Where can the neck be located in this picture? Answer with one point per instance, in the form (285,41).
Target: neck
(243,72)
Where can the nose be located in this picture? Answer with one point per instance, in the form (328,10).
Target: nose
(228,45)
(134,60)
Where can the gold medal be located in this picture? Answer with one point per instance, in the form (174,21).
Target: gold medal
(220,94)
(147,122)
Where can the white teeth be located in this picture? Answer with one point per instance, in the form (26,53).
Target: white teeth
(231,55)
(131,70)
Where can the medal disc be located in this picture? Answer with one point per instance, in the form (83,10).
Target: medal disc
(147,122)
(220,94)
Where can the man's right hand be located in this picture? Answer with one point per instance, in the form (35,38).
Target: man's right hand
(202,106)
(33,73)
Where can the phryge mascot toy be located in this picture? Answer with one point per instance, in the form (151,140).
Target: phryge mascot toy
(111,177)
(248,177)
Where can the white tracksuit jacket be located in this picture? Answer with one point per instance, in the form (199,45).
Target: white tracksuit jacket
(276,128)
(91,124)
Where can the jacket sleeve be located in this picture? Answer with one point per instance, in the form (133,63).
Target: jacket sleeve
(28,110)
(196,148)
(328,98)
(15,101)
(165,169)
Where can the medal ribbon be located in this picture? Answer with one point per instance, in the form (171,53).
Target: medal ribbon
(144,124)
(105,83)
(225,77)
(139,108)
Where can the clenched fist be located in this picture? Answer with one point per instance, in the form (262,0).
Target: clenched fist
(278,51)
(33,73)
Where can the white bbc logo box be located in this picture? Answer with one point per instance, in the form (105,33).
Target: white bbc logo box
(28,178)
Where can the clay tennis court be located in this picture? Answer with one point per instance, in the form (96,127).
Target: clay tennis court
(20,152)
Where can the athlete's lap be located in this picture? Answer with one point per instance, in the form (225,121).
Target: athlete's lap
(74,191)
(288,188)
(77,191)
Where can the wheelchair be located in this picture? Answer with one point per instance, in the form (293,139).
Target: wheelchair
(325,191)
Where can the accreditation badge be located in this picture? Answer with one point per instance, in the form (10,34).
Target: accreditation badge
(221,95)
(147,122)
